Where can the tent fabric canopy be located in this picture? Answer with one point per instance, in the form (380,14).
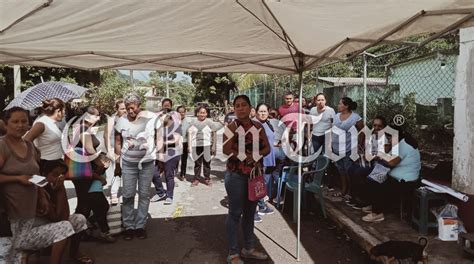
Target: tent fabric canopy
(212,35)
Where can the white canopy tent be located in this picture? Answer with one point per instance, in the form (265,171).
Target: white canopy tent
(212,35)
(287,36)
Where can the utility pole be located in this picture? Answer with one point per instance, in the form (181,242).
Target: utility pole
(132,84)
(364,56)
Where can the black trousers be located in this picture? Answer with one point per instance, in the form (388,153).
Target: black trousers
(184,159)
(382,195)
(94,202)
(201,162)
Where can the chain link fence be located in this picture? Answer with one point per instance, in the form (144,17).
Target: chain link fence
(420,89)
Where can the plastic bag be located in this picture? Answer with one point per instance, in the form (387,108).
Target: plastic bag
(448,210)
(449,224)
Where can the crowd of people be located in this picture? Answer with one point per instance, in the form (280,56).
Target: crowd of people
(144,147)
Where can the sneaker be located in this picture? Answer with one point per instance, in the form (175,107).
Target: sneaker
(266,198)
(275,201)
(257,219)
(357,206)
(128,234)
(234,258)
(158,197)
(373,217)
(351,202)
(253,254)
(347,197)
(168,201)
(367,209)
(195,183)
(140,233)
(114,200)
(107,237)
(265,211)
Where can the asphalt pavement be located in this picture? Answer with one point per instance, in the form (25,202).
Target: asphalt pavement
(192,230)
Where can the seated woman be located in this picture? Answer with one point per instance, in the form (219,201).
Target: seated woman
(403,178)
(19,160)
(59,208)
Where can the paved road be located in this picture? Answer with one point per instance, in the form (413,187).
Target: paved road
(197,235)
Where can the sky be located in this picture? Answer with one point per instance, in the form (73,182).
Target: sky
(143,75)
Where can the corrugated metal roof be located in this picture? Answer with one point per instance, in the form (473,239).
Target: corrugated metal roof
(341,81)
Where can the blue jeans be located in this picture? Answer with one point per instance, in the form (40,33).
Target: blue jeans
(131,175)
(269,179)
(239,206)
(318,142)
(170,169)
(157,181)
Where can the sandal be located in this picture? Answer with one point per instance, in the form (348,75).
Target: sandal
(253,254)
(208,182)
(234,259)
(195,183)
(83,259)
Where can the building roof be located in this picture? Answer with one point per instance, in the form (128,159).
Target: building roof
(342,81)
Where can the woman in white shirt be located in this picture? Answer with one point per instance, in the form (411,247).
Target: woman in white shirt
(324,116)
(134,142)
(45,133)
(202,144)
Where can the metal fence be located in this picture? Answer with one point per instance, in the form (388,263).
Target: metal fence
(270,92)
(420,89)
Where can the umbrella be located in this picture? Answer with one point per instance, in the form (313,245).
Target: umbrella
(33,97)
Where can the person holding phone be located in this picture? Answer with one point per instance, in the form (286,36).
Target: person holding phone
(19,160)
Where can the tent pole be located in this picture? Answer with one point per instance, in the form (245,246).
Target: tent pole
(16,80)
(365,88)
(300,172)
(167,85)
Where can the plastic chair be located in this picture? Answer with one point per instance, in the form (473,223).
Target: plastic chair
(420,218)
(319,168)
(317,172)
(284,174)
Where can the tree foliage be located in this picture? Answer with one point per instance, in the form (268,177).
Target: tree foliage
(213,88)
(112,87)
(181,92)
(158,75)
(32,75)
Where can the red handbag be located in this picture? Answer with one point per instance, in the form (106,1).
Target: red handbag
(256,185)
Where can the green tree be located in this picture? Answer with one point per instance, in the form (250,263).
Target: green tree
(181,92)
(32,75)
(159,75)
(112,87)
(213,88)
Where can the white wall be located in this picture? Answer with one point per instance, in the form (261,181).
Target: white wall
(463,167)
